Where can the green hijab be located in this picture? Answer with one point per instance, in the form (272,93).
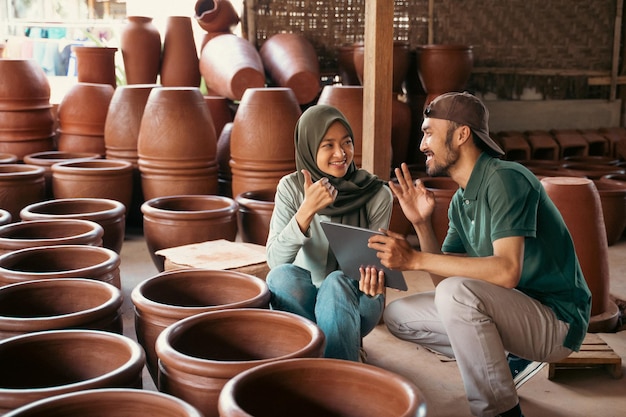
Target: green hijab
(355,189)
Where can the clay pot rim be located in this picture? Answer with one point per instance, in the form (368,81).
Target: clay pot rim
(152,206)
(613,187)
(194,365)
(52,157)
(83,166)
(90,227)
(136,356)
(443,46)
(86,398)
(5,216)
(324,366)
(21,170)
(94,48)
(140,18)
(247,198)
(12,158)
(113,208)
(174,311)
(21,323)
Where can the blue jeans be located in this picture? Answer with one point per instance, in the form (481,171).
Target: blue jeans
(341,311)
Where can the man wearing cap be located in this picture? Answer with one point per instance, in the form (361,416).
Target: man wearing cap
(507,277)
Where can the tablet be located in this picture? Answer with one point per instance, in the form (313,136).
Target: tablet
(349,244)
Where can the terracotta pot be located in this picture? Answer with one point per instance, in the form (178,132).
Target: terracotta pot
(215,15)
(177,144)
(591,171)
(45,364)
(315,386)
(20,185)
(400,131)
(349,101)
(199,354)
(443,188)
(24,85)
(179,61)
(220,112)
(106,402)
(8,158)
(95,64)
(46,159)
(140,43)
(291,61)
(345,61)
(230,65)
(613,200)
(262,150)
(578,201)
(94,178)
(180,220)
(27,234)
(444,68)
(400,64)
(171,296)
(225,176)
(571,142)
(5,217)
(61,261)
(109,214)
(255,213)
(34,306)
(26,131)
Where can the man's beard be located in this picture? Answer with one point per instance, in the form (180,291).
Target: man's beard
(442,170)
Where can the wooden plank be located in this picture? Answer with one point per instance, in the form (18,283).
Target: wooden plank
(594,352)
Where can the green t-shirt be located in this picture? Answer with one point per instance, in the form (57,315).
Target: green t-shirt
(504,199)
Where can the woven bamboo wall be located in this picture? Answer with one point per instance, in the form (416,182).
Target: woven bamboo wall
(517,38)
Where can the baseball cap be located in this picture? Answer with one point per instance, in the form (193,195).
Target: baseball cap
(465,109)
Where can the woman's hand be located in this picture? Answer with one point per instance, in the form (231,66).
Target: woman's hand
(416,201)
(317,195)
(372,282)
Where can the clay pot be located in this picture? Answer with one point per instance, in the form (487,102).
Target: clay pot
(5,217)
(95,64)
(20,185)
(94,178)
(215,15)
(107,402)
(400,64)
(174,295)
(220,112)
(255,213)
(291,61)
(591,171)
(8,158)
(578,201)
(26,131)
(230,65)
(199,354)
(592,160)
(27,234)
(443,188)
(140,43)
(348,99)
(310,387)
(400,131)
(262,150)
(224,174)
(34,306)
(180,220)
(177,144)
(179,61)
(61,261)
(110,214)
(45,364)
(444,68)
(48,158)
(613,200)
(24,85)
(345,61)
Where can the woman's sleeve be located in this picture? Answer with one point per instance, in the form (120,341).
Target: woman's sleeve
(380,208)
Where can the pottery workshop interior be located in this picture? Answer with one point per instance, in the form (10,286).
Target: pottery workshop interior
(141,146)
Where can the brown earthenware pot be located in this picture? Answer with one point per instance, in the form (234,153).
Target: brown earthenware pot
(140,43)
(443,188)
(443,68)
(225,176)
(179,59)
(215,15)
(24,85)
(255,212)
(21,185)
(95,64)
(613,200)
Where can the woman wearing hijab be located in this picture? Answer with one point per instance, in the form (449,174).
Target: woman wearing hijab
(304,278)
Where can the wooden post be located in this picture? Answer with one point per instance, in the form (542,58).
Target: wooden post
(377,74)
(616,48)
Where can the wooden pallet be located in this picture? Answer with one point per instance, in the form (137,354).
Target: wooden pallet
(593,353)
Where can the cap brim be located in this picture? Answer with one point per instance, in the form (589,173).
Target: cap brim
(496,150)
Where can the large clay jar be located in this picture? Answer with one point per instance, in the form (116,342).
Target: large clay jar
(400,131)
(60,261)
(95,64)
(230,65)
(444,68)
(179,61)
(224,174)
(400,64)
(81,117)
(345,62)
(443,189)
(255,213)
(26,131)
(309,387)
(180,220)
(106,402)
(45,364)
(20,185)
(215,15)
(55,304)
(199,354)
(291,61)
(579,203)
(27,234)
(613,199)
(94,178)
(110,214)
(220,112)
(262,149)
(140,43)
(177,145)
(348,99)
(48,158)
(174,295)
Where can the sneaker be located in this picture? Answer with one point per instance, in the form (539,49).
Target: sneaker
(523,369)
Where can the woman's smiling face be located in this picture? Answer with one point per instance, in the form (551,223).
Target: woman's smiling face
(336,151)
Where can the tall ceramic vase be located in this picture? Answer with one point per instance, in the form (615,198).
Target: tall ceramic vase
(140,42)
(444,68)
(95,64)
(177,147)
(179,63)
(261,145)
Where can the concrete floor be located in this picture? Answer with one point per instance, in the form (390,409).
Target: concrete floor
(573,393)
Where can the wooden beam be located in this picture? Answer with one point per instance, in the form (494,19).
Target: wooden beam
(608,80)
(617,32)
(377,78)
